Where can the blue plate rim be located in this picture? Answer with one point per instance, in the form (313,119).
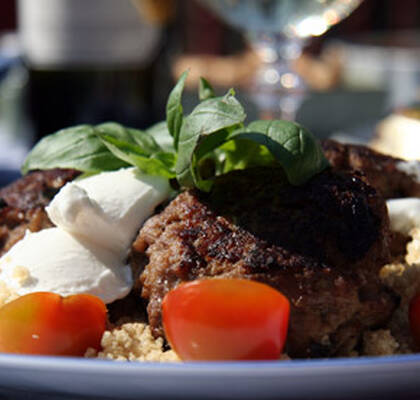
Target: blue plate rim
(320,379)
(362,363)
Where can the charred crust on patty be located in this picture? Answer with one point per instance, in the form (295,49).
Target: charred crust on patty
(320,244)
(380,170)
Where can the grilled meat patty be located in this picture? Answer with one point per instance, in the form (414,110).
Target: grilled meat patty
(321,244)
(22,204)
(381,170)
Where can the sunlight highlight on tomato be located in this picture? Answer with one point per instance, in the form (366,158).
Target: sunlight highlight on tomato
(46,323)
(226,319)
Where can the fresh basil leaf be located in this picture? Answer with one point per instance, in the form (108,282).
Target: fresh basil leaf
(129,135)
(205,90)
(114,129)
(160,133)
(294,147)
(242,154)
(209,117)
(174,110)
(159,163)
(168,159)
(78,147)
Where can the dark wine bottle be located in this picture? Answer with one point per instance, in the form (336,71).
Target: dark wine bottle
(88,61)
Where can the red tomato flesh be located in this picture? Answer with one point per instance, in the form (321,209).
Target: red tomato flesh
(46,323)
(226,319)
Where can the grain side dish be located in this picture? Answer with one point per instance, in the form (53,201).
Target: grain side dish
(132,341)
(322,232)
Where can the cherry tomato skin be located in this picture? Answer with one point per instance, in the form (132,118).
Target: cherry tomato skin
(414,318)
(48,324)
(226,319)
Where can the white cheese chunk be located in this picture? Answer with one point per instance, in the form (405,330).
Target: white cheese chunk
(52,260)
(108,208)
(404,214)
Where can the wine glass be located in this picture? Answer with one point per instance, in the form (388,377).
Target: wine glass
(278,31)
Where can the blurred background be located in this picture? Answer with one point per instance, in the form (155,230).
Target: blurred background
(67,62)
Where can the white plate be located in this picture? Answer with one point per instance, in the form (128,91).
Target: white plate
(358,378)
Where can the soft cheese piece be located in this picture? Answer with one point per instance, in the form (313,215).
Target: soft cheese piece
(97,218)
(411,168)
(55,261)
(108,208)
(404,214)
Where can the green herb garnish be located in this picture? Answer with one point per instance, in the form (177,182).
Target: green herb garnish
(174,110)
(179,148)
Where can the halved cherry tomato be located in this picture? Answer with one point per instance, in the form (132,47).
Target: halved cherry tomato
(46,323)
(414,318)
(226,319)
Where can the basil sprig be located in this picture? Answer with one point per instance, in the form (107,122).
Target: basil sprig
(104,147)
(293,147)
(179,148)
(78,147)
(138,149)
(204,130)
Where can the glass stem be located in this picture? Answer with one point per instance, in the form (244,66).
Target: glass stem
(277,90)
